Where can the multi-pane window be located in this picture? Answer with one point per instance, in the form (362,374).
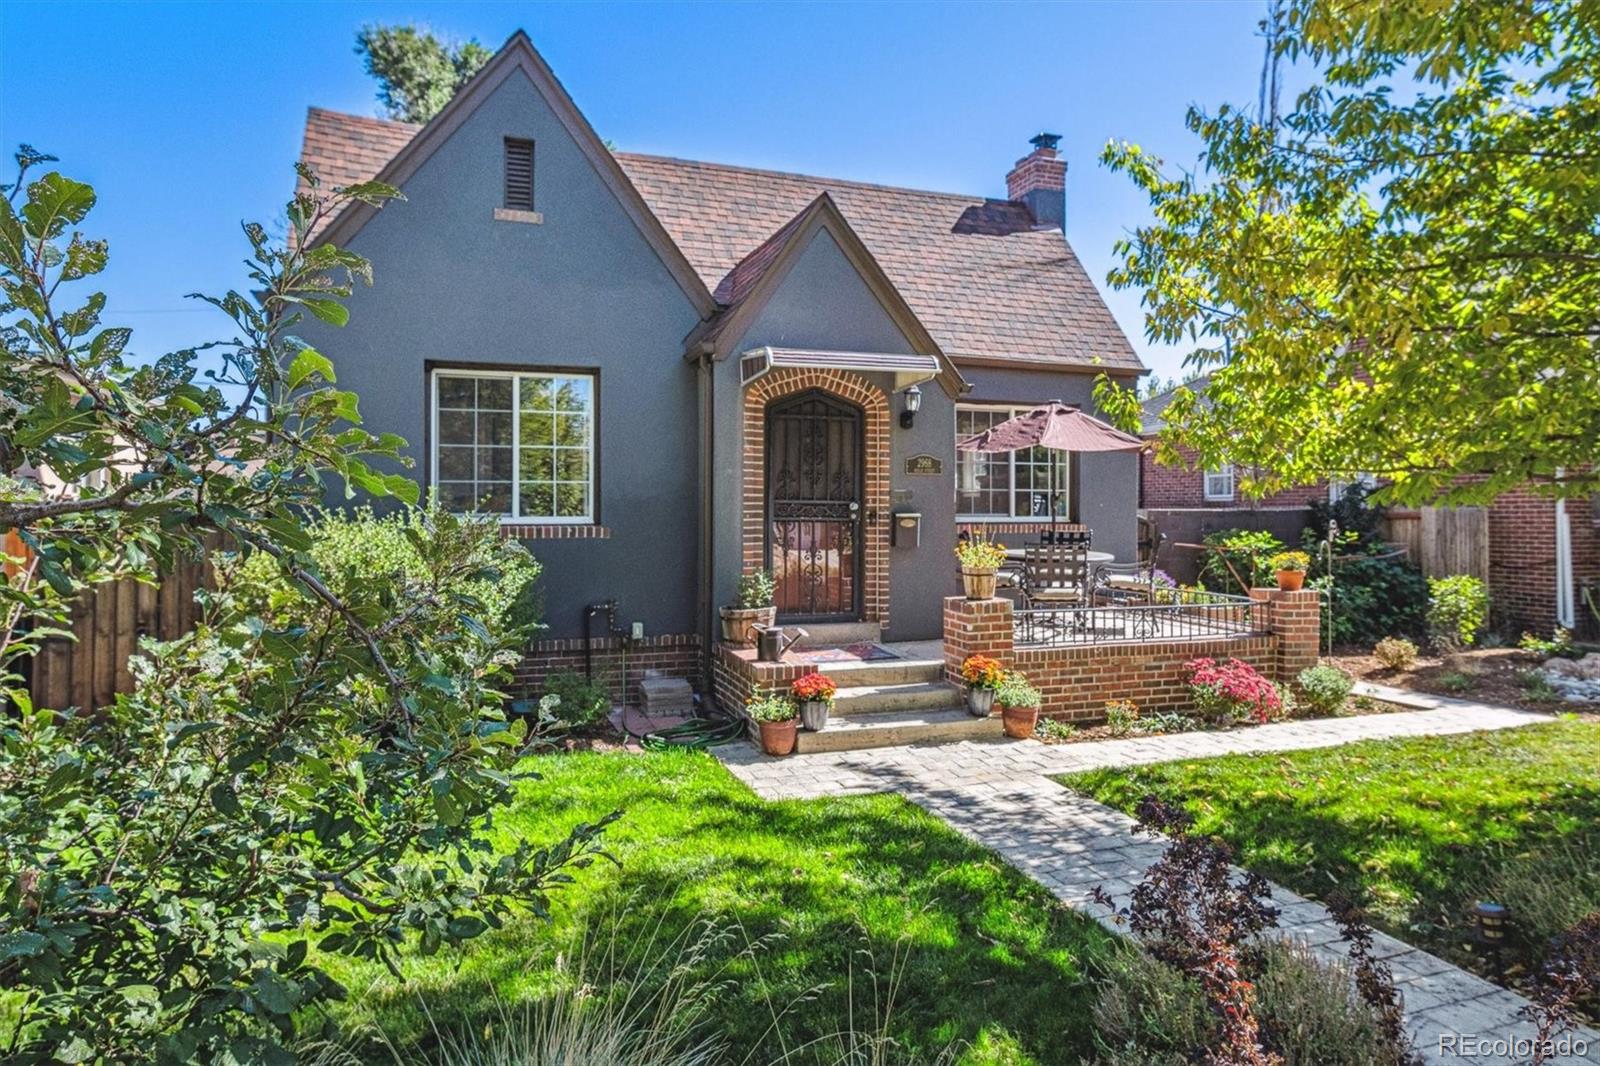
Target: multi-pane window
(514,444)
(1219,483)
(1006,484)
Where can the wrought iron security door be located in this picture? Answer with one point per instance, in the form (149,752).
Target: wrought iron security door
(814,489)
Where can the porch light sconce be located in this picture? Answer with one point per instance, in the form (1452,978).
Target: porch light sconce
(908,414)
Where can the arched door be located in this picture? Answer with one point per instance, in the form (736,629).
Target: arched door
(813,498)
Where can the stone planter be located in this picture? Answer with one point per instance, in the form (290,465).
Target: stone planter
(778,738)
(738,624)
(1291,580)
(980,702)
(978,582)
(814,715)
(1018,722)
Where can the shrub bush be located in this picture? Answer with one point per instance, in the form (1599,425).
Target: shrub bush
(1232,691)
(1246,553)
(1458,609)
(1395,653)
(580,702)
(1370,597)
(1324,689)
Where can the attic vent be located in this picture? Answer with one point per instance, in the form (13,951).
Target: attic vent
(519,174)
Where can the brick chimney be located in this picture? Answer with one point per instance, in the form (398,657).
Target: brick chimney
(1040,180)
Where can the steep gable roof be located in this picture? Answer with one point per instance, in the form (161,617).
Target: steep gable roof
(517,54)
(989,287)
(753,281)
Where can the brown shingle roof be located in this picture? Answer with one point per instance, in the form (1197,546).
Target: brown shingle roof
(975,272)
(346,149)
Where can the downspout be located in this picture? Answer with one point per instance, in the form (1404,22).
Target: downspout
(706,370)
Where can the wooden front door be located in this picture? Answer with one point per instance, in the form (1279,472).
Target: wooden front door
(813,492)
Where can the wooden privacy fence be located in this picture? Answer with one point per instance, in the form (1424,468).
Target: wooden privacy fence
(108,621)
(1443,541)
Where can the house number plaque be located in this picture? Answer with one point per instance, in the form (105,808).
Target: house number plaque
(924,464)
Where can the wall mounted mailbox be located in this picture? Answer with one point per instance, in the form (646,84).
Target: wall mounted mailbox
(907,529)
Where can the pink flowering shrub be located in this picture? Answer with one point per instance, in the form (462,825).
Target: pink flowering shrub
(1232,691)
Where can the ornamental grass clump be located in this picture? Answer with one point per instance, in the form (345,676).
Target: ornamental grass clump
(1232,691)
(983,672)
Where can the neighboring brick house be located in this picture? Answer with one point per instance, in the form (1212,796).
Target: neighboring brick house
(663,372)
(1184,502)
(1542,555)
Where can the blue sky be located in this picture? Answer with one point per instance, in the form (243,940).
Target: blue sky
(187,117)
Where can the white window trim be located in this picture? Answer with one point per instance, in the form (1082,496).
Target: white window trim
(1205,483)
(516,376)
(1064,488)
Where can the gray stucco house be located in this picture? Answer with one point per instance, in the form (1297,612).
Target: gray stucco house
(662,373)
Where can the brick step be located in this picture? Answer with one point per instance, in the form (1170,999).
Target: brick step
(910,696)
(890,728)
(883,672)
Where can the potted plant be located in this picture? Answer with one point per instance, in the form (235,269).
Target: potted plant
(980,560)
(776,721)
(754,608)
(1291,569)
(1019,705)
(814,693)
(982,675)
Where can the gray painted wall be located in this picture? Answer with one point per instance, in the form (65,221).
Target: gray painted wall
(1106,488)
(582,290)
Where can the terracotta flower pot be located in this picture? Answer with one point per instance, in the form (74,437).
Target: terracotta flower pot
(738,624)
(1291,580)
(1018,722)
(980,702)
(814,715)
(978,582)
(777,738)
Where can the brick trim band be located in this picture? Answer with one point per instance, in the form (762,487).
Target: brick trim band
(854,389)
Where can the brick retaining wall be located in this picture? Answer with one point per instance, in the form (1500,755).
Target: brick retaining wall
(1076,681)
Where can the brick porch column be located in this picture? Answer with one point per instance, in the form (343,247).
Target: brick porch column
(976,627)
(1295,619)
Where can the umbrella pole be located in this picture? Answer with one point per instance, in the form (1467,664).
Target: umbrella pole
(1051,458)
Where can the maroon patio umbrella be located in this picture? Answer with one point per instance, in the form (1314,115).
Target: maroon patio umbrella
(1057,426)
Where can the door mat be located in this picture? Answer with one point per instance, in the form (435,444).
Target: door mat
(865,651)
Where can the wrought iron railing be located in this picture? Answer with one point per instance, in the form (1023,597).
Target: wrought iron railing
(1186,614)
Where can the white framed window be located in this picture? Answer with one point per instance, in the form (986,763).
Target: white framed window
(516,444)
(1219,483)
(1002,484)
(1337,486)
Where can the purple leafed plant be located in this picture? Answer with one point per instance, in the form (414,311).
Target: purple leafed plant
(1569,978)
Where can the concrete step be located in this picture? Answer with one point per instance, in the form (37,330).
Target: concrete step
(882,672)
(836,634)
(890,728)
(908,696)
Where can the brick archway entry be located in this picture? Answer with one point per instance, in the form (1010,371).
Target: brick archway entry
(852,388)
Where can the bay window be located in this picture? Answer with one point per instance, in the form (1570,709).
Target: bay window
(1006,484)
(515,444)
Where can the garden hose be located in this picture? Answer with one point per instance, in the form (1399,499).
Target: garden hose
(694,733)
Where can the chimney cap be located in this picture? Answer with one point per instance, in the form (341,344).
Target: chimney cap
(1045,140)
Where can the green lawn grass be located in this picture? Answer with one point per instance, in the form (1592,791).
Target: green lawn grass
(986,955)
(1418,828)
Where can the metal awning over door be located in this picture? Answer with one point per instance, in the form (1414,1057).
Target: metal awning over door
(908,370)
